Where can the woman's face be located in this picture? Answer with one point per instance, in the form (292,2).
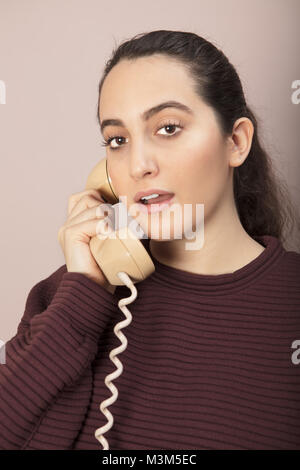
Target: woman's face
(188,159)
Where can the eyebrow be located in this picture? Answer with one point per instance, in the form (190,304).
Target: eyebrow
(149,113)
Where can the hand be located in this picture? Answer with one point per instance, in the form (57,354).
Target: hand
(75,235)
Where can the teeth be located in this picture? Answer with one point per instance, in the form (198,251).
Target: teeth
(149,197)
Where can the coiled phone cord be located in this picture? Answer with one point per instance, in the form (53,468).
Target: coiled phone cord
(109,401)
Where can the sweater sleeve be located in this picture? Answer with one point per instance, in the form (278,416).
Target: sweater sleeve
(56,341)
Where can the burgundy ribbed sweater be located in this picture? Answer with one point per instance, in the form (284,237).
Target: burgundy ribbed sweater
(208,363)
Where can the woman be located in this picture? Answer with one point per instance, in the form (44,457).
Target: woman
(209,358)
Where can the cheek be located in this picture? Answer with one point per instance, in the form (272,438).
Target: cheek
(116,171)
(206,170)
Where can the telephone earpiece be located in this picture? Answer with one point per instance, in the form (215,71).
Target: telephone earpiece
(124,252)
(99,179)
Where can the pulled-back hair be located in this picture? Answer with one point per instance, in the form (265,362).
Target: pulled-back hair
(261,196)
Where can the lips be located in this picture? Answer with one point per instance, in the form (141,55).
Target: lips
(161,193)
(159,206)
(156,200)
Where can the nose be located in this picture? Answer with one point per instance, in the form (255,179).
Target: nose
(141,164)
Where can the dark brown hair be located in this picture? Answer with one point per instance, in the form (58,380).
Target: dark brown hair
(262,198)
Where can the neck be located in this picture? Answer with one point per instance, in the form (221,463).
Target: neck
(226,248)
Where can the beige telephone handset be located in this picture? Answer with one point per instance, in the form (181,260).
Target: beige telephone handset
(123,260)
(117,254)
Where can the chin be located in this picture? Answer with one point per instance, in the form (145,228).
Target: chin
(162,226)
(163,233)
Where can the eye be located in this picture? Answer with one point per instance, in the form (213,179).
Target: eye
(106,143)
(169,124)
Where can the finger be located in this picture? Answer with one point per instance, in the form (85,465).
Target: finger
(87,201)
(100,211)
(81,213)
(83,231)
(74,198)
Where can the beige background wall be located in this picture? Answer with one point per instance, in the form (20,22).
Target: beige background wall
(52,53)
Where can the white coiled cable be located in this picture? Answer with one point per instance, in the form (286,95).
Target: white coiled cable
(109,401)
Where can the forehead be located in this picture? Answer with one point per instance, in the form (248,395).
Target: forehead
(135,85)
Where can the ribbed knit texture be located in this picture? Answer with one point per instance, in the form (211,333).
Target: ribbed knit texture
(208,363)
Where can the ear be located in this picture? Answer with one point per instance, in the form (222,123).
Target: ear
(240,142)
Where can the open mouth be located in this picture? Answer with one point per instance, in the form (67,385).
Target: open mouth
(155,199)
(155,204)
